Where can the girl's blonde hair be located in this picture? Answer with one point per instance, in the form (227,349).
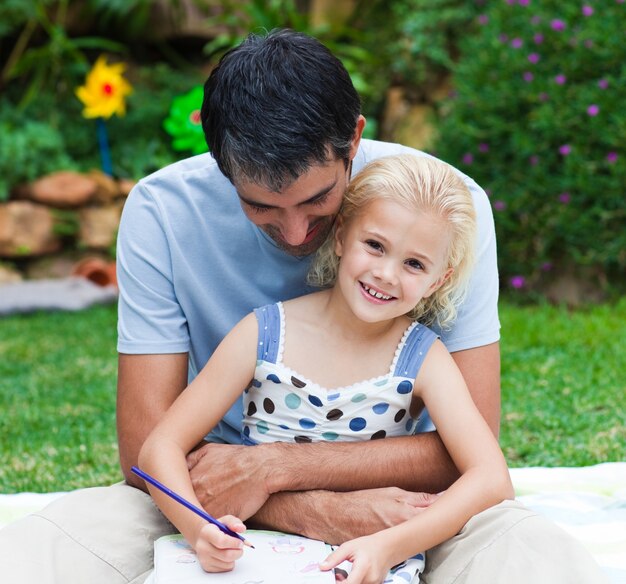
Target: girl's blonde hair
(421,184)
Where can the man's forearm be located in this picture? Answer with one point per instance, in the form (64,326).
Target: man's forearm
(224,476)
(147,386)
(337,517)
(414,463)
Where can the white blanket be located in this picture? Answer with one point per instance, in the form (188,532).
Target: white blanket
(588,502)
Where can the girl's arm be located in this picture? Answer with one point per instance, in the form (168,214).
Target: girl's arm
(194,413)
(484,479)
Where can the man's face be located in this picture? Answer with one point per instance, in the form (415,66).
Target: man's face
(299,217)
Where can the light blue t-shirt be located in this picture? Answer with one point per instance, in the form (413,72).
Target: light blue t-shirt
(190,265)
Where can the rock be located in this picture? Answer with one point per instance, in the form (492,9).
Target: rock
(26,229)
(9,275)
(125,185)
(51,267)
(98,226)
(107,188)
(407,123)
(97,270)
(575,286)
(64,189)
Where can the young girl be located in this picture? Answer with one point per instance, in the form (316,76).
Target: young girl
(401,251)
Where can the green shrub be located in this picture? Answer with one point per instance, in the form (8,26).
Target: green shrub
(28,149)
(415,39)
(538,120)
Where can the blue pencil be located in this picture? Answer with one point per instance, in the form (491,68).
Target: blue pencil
(201,512)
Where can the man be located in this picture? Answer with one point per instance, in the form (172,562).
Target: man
(203,242)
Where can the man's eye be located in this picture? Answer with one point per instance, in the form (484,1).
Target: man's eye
(256,209)
(320,200)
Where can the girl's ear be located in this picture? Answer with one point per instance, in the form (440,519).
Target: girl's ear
(339,237)
(439,282)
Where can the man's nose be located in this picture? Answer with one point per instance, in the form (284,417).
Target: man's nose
(294,226)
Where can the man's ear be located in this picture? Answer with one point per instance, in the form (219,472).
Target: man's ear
(439,282)
(356,139)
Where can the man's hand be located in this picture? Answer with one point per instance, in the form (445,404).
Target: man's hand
(230,480)
(338,517)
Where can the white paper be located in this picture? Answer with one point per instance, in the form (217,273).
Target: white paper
(276,559)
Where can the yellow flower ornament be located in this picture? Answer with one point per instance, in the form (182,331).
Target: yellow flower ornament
(105,90)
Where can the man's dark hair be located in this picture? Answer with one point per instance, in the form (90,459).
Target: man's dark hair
(277,104)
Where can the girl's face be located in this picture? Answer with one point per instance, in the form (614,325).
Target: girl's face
(391,258)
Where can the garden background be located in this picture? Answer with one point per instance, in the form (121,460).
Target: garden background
(525,96)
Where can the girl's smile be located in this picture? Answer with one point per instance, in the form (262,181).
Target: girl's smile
(375,295)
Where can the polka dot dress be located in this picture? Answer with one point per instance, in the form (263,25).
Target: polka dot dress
(281,405)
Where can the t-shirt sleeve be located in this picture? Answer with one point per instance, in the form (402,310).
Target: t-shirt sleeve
(150,318)
(477,322)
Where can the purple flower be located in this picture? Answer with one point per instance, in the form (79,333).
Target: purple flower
(560,79)
(558,25)
(468,158)
(603,83)
(528,76)
(565,198)
(503,38)
(587,10)
(534,58)
(611,157)
(593,110)
(565,149)
(534,160)
(517,43)
(535,20)
(523,2)
(483,19)
(538,38)
(543,96)
(517,282)
(483,147)
(546,266)
(499,205)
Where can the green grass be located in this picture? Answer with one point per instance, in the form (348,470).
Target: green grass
(563,389)
(57,400)
(563,385)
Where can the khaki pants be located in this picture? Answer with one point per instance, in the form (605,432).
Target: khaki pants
(105,536)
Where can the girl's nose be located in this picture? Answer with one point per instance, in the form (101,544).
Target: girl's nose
(385,271)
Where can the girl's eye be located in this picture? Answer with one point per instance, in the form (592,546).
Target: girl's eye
(373,244)
(414,264)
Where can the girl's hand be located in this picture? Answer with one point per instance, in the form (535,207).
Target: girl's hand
(370,564)
(217,552)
